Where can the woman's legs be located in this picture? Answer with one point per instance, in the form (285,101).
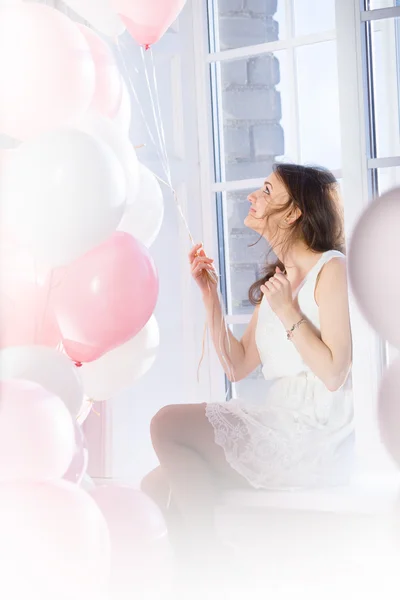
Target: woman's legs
(184,442)
(156,485)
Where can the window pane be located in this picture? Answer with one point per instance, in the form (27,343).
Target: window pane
(243,262)
(372,4)
(388,179)
(254,387)
(313,17)
(256,115)
(248,22)
(258,102)
(386,79)
(318,104)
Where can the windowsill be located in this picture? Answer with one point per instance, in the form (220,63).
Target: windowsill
(369,496)
(375,495)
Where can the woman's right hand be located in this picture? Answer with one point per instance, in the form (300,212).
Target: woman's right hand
(203,270)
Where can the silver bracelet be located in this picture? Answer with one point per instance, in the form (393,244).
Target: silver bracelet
(289,332)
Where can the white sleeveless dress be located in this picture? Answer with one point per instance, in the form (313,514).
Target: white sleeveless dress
(302,435)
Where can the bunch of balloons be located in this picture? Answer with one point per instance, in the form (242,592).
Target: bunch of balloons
(54,540)
(60,539)
(78,290)
(78,211)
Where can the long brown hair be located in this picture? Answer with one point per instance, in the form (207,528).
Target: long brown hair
(314,192)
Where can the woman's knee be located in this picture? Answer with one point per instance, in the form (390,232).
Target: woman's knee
(161,423)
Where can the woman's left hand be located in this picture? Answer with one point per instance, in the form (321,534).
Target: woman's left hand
(278,292)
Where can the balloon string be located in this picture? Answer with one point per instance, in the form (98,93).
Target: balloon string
(92,402)
(158,106)
(161,149)
(132,89)
(211,275)
(155,106)
(203,346)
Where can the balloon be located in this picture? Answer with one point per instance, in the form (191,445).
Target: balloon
(79,462)
(389,410)
(148,21)
(143,218)
(122,117)
(105,130)
(26,316)
(139,540)
(70,198)
(120,368)
(106,297)
(36,433)
(54,542)
(108,91)
(47,75)
(372,275)
(99,14)
(48,368)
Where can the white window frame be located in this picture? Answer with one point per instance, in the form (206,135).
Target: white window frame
(357,163)
(369,351)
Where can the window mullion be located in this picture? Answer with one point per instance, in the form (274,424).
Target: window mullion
(295,152)
(380,13)
(268,47)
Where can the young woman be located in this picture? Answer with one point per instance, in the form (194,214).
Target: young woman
(300,333)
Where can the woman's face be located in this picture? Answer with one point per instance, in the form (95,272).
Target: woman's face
(263,202)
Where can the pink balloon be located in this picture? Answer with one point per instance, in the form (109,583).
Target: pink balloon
(106,297)
(47,75)
(108,91)
(373,277)
(54,543)
(389,410)
(36,433)
(148,21)
(27,317)
(77,468)
(141,555)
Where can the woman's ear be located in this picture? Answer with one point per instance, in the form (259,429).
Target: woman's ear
(293,215)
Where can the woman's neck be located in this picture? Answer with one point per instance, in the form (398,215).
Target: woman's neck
(298,261)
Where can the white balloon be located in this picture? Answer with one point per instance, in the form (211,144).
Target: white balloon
(99,14)
(374,244)
(123,116)
(120,368)
(104,129)
(63,193)
(143,218)
(52,370)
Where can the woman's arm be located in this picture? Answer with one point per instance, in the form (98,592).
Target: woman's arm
(328,355)
(238,358)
